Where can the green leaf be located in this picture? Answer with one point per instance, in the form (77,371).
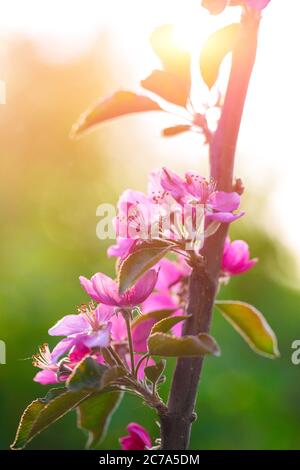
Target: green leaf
(26,423)
(218,45)
(85,379)
(87,375)
(111,375)
(94,415)
(163,326)
(156,315)
(174,58)
(162,344)
(142,325)
(251,325)
(137,263)
(153,373)
(175,130)
(43,412)
(168,86)
(119,104)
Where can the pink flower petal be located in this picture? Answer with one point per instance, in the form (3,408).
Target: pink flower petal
(224,202)
(97,339)
(132,197)
(237,253)
(118,328)
(78,352)
(136,430)
(46,377)
(89,289)
(247,266)
(169,274)
(69,325)
(173,183)
(225,217)
(158,302)
(62,347)
(195,184)
(236,258)
(123,248)
(107,289)
(103,313)
(140,335)
(142,289)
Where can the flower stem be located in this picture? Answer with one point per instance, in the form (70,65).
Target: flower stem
(145,356)
(203,283)
(126,316)
(116,356)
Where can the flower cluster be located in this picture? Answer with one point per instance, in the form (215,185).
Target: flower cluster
(95,328)
(102,324)
(180,210)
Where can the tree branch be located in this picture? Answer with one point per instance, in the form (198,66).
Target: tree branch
(203,284)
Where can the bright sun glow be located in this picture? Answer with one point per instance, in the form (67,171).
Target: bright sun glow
(64,28)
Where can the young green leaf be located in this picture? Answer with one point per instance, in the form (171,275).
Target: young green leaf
(251,325)
(119,104)
(156,316)
(43,412)
(153,373)
(87,375)
(168,86)
(218,45)
(165,345)
(137,263)
(111,375)
(163,326)
(141,327)
(94,415)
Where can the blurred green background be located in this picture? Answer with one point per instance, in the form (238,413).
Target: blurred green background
(50,189)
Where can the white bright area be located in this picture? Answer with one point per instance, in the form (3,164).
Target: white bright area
(268,150)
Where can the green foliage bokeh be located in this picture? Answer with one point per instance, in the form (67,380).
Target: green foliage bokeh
(49,194)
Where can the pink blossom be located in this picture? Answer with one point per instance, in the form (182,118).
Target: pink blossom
(135,215)
(140,216)
(183,209)
(196,190)
(137,439)
(236,258)
(90,328)
(45,361)
(54,370)
(103,289)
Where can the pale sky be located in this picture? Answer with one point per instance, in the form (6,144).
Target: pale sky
(269,139)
